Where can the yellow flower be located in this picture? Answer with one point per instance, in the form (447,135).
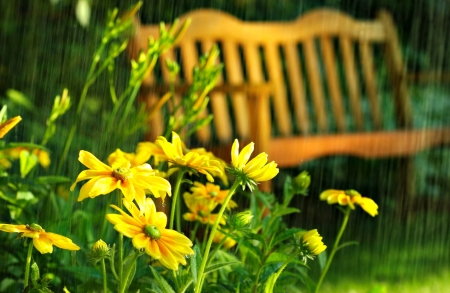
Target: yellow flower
(222,174)
(132,181)
(43,241)
(253,171)
(211,192)
(149,232)
(313,241)
(6,126)
(192,160)
(350,197)
(200,209)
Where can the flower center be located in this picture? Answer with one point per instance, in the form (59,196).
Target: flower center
(351,192)
(213,194)
(152,231)
(35,227)
(122,173)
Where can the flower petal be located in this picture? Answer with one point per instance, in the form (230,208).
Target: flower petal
(43,244)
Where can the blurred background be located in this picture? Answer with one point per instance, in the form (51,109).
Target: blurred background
(47,45)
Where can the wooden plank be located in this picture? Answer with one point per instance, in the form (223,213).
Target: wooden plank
(259,114)
(334,89)
(279,99)
(235,76)
(370,82)
(295,78)
(315,84)
(348,57)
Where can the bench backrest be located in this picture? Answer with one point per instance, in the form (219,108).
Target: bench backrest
(310,63)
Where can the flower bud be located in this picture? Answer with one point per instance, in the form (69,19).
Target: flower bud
(310,244)
(244,218)
(302,182)
(100,250)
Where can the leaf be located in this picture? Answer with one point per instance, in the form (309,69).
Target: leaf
(130,266)
(26,145)
(34,271)
(345,244)
(164,286)
(217,266)
(284,211)
(25,195)
(284,235)
(27,162)
(322,258)
(196,261)
(270,283)
(52,179)
(20,99)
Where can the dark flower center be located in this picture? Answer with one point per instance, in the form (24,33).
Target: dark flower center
(122,173)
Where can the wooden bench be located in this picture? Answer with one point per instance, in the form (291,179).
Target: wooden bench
(301,89)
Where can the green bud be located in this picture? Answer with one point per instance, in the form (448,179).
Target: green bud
(302,181)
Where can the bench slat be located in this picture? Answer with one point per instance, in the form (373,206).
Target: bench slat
(219,104)
(334,89)
(235,76)
(279,100)
(370,82)
(297,86)
(348,57)
(315,84)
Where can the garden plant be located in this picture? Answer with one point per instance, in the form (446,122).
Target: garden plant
(163,218)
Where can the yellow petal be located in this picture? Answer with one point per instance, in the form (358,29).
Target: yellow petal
(235,153)
(256,163)
(6,126)
(43,244)
(90,161)
(127,230)
(140,241)
(244,155)
(61,241)
(152,249)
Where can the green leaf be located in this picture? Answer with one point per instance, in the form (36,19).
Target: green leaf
(284,211)
(378,289)
(270,283)
(283,236)
(130,266)
(196,261)
(27,145)
(27,162)
(34,271)
(345,244)
(322,258)
(164,286)
(20,99)
(216,266)
(52,179)
(25,195)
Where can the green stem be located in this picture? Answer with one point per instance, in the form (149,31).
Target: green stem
(333,251)
(105,287)
(216,249)
(194,231)
(120,247)
(27,265)
(173,208)
(198,286)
